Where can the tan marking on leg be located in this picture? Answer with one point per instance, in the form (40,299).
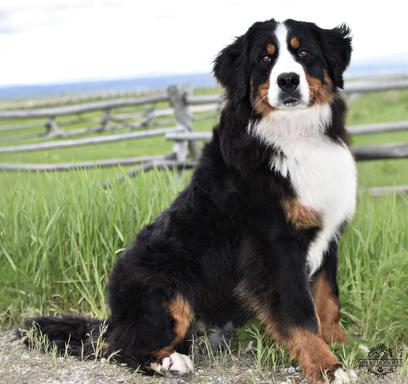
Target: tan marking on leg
(261,313)
(328,310)
(294,42)
(310,349)
(182,313)
(313,354)
(300,216)
(271,49)
(320,93)
(164,352)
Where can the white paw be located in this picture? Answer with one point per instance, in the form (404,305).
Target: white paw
(174,365)
(345,376)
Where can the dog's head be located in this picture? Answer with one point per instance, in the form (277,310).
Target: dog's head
(284,66)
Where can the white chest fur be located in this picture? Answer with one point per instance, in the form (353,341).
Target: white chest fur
(322,172)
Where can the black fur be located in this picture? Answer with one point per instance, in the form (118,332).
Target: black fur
(227,229)
(73,334)
(331,49)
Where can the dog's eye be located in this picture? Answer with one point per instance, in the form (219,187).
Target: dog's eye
(266,59)
(303,53)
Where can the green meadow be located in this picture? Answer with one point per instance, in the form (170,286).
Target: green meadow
(60,233)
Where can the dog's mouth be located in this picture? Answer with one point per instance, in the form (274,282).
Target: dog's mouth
(291,101)
(287,101)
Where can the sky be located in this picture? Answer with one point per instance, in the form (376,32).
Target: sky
(45,41)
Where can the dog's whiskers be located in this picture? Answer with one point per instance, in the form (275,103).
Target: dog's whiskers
(259,101)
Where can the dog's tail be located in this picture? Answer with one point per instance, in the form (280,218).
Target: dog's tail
(73,335)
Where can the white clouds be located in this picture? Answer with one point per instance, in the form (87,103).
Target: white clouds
(25,20)
(56,40)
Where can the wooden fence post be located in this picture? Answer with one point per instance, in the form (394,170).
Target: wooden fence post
(148,113)
(178,100)
(51,127)
(106,119)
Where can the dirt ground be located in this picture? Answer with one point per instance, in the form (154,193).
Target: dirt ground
(21,366)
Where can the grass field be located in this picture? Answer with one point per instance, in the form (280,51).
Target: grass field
(61,232)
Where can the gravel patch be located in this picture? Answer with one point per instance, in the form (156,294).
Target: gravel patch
(21,366)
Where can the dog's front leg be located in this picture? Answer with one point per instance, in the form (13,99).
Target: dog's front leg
(326,298)
(280,298)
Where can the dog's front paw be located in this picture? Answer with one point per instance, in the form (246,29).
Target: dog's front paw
(342,375)
(174,365)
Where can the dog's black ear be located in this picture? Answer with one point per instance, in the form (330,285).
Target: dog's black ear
(336,44)
(231,68)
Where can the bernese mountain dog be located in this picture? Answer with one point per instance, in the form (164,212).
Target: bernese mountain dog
(255,233)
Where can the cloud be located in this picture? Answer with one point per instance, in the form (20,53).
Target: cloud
(24,15)
(25,20)
(62,40)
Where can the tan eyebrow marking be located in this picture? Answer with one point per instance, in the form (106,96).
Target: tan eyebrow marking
(294,42)
(270,48)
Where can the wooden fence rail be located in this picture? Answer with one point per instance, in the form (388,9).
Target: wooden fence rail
(381,152)
(182,107)
(81,108)
(88,140)
(32,167)
(375,86)
(378,128)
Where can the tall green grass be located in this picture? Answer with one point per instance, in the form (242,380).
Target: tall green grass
(374,270)
(61,233)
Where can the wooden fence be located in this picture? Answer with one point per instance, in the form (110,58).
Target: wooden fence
(169,114)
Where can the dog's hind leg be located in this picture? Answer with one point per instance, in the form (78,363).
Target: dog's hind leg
(168,361)
(149,335)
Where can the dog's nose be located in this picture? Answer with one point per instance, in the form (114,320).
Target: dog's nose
(288,81)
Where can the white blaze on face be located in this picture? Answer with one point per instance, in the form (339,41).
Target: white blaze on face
(286,63)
